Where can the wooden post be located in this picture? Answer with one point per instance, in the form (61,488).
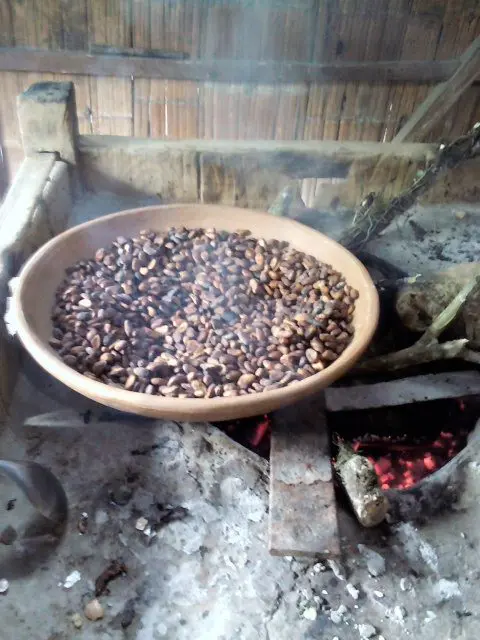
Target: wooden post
(34,209)
(47,117)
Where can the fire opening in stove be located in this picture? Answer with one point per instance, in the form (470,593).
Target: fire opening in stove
(405,444)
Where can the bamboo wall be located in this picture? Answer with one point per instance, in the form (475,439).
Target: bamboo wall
(300,30)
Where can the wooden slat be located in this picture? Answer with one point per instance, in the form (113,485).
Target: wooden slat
(74,16)
(109,23)
(80,62)
(174,26)
(439,386)
(303,517)
(315,114)
(443,97)
(7,36)
(291,110)
(423,30)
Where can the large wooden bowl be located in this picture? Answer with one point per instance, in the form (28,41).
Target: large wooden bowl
(45,270)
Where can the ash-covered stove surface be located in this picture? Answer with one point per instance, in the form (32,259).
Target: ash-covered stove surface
(209,574)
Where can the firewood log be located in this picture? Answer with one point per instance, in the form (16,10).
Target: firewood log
(418,303)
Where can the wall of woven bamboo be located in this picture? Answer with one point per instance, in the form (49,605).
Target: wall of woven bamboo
(299,30)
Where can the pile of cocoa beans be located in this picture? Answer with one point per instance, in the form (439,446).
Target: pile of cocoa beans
(201,313)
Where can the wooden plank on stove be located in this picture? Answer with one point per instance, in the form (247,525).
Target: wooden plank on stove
(439,386)
(157,64)
(442,97)
(303,518)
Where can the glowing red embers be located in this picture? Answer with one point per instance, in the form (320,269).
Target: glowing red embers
(261,431)
(400,465)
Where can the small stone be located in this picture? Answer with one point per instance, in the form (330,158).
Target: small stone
(8,535)
(336,615)
(378,594)
(353,591)
(366,630)
(4,585)
(405,584)
(381,638)
(336,569)
(72,579)
(375,562)
(460,215)
(431,615)
(82,524)
(324,592)
(399,614)
(445,590)
(310,613)
(94,610)
(77,621)
(141,524)
(317,568)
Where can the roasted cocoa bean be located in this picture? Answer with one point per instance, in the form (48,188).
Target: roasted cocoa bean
(199,313)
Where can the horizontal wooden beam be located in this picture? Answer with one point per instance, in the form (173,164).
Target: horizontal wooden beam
(252,173)
(154,66)
(244,173)
(442,97)
(276,152)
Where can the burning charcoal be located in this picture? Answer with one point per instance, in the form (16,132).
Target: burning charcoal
(115,568)
(167,317)
(260,432)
